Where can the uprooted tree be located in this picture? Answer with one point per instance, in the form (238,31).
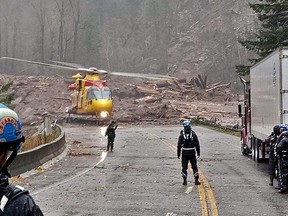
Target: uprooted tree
(200,81)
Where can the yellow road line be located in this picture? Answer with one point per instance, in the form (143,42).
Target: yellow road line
(211,197)
(203,201)
(202,189)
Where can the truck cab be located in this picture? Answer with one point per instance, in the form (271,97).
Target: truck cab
(245,116)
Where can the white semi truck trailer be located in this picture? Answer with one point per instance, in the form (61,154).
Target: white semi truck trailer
(265,103)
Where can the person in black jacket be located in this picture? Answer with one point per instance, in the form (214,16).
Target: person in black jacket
(110,132)
(272,141)
(188,146)
(282,152)
(14,200)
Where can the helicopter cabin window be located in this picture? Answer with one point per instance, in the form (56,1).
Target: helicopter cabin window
(106,93)
(97,93)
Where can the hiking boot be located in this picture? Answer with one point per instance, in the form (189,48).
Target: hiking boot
(185,182)
(277,187)
(282,191)
(197,180)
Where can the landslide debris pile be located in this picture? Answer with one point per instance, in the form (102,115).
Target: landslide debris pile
(162,102)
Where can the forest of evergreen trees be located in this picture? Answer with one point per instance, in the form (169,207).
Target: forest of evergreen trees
(273,33)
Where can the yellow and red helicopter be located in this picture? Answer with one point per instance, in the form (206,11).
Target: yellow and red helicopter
(90,95)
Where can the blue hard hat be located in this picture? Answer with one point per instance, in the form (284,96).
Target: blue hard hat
(10,128)
(186,123)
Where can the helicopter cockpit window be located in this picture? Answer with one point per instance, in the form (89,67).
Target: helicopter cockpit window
(96,93)
(106,93)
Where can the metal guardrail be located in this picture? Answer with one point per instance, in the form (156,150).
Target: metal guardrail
(36,157)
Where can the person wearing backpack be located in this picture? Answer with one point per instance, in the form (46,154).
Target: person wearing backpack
(188,146)
(14,200)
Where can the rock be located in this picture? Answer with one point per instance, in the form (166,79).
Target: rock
(17,101)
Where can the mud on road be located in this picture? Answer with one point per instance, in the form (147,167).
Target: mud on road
(143,177)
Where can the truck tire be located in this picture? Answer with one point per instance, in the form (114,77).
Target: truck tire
(257,152)
(253,148)
(242,147)
(262,154)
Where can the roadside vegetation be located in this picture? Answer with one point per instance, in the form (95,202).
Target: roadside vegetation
(5,97)
(205,123)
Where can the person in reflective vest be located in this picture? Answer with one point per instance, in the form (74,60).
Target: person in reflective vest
(188,146)
(14,200)
(282,152)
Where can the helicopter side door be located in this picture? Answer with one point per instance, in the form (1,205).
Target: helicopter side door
(90,96)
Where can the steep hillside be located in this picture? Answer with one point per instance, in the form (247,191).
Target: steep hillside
(209,46)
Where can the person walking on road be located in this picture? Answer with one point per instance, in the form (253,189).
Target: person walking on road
(110,133)
(14,200)
(188,146)
(282,152)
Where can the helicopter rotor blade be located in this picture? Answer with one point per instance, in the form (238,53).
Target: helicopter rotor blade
(79,67)
(85,70)
(68,64)
(73,67)
(139,75)
(38,63)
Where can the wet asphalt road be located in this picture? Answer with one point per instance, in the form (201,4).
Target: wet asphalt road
(142,177)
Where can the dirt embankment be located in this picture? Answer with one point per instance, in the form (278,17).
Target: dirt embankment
(154,102)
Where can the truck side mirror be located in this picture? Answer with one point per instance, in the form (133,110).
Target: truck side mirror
(240,110)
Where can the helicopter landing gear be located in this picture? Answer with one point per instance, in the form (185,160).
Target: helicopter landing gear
(68,118)
(101,123)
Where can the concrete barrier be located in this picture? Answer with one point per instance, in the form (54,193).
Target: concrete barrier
(36,157)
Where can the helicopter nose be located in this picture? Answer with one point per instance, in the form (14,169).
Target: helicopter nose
(104,114)
(103,105)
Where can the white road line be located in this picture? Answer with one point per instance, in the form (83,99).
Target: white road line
(103,156)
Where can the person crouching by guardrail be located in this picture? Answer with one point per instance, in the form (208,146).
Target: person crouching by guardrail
(14,200)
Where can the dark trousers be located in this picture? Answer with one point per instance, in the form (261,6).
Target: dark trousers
(110,144)
(192,159)
(283,174)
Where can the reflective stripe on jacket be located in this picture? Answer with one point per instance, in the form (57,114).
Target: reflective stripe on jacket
(188,144)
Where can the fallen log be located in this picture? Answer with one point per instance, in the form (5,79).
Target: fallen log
(217,87)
